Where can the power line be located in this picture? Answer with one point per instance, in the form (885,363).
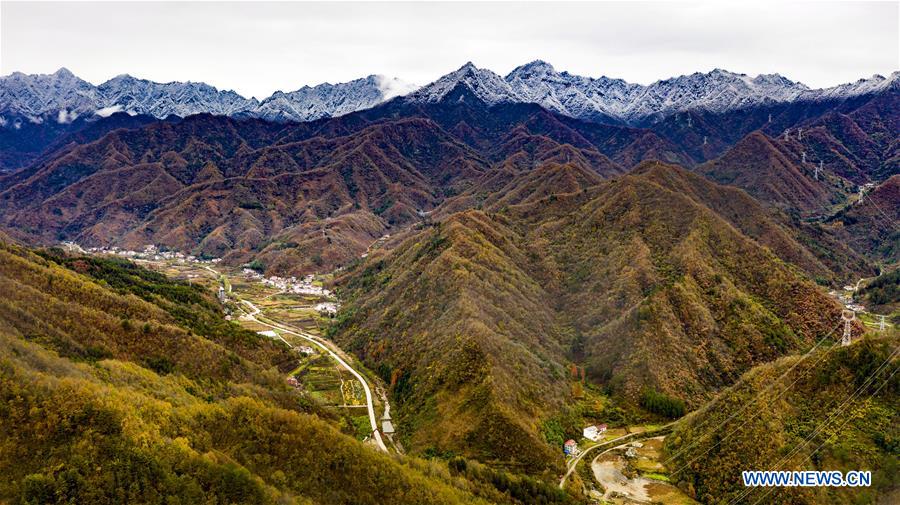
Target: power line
(890,221)
(747,405)
(754,416)
(826,440)
(821,426)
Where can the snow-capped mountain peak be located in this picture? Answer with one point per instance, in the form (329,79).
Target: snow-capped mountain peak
(142,96)
(62,96)
(327,100)
(484,84)
(35,97)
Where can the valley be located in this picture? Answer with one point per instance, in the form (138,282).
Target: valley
(530,288)
(293,311)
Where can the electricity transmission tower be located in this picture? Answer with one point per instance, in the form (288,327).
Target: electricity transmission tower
(881,323)
(818,168)
(845,340)
(803,155)
(800,134)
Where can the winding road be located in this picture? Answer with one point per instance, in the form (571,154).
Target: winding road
(276,325)
(607,446)
(254,311)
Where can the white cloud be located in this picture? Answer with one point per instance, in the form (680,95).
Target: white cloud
(109,111)
(392,87)
(65,116)
(2,121)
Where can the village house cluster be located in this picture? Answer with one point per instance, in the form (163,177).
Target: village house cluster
(149,253)
(593,433)
(304,286)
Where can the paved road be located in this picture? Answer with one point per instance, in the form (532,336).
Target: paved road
(254,311)
(629,437)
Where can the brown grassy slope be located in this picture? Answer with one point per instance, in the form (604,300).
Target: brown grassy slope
(813,248)
(757,165)
(195,187)
(873,226)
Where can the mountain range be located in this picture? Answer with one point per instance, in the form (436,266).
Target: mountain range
(311,196)
(500,244)
(62,96)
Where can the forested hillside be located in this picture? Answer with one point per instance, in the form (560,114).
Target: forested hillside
(645,280)
(117,385)
(835,410)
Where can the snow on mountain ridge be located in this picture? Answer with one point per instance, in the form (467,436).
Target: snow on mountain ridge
(326,100)
(142,96)
(484,84)
(62,96)
(718,90)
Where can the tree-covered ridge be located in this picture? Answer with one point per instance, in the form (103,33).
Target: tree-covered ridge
(884,290)
(82,318)
(87,417)
(190,306)
(826,402)
(647,281)
(436,321)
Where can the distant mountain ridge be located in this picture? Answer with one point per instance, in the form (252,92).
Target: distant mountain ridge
(588,98)
(63,97)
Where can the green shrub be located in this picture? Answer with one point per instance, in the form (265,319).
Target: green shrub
(662,404)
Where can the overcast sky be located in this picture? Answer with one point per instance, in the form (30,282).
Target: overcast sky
(258,48)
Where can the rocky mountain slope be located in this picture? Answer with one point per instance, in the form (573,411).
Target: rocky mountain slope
(701,115)
(63,96)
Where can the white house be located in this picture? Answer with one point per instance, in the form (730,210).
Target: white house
(594,432)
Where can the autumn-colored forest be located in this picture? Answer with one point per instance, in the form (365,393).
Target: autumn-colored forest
(118,385)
